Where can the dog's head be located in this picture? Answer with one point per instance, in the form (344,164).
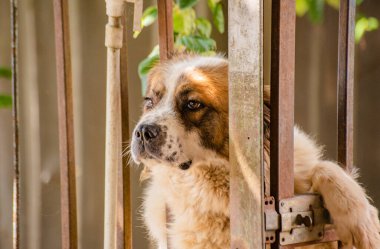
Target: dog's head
(185,116)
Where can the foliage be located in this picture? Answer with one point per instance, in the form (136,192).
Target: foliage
(5,73)
(363,25)
(5,100)
(145,66)
(315,8)
(191,33)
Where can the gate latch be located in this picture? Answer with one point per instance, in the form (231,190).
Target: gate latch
(300,219)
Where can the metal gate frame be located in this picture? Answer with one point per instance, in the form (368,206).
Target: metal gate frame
(246,115)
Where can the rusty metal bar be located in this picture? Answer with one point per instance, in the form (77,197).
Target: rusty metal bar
(282,101)
(282,98)
(245,41)
(124,189)
(15,114)
(66,126)
(346,55)
(165,28)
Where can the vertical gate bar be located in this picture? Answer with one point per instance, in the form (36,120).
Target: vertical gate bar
(282,100)
(115,9)
(166,42)
(346,55)
(66,126)
(15,114)
(245,41)
(124,181)
(165,28)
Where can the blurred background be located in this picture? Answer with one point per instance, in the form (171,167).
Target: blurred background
(316,76)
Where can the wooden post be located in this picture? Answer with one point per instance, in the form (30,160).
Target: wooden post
(124,183)
(166,44)
(114,43)
(165,28)
(66,126)
(346,50)
(246,123)
(15,115)
(282,100)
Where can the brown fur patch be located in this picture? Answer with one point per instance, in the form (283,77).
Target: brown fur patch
(209,86)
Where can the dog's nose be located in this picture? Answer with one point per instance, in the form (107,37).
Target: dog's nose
(148,132)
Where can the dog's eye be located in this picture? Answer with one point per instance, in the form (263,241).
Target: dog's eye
(148,103)
(194,105)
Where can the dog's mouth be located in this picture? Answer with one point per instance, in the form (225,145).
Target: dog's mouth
(146,153)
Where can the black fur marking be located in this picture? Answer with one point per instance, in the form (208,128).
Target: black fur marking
(172,157)
(185,165)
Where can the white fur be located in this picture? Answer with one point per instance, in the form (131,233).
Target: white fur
(198,197)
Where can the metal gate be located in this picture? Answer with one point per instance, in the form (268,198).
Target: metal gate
(249,202)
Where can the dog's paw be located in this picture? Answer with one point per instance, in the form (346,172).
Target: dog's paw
(360,229)
(355,218)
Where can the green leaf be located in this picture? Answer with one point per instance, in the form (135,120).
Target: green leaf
(212,4)
(364,25)
(358,2)
(149,17)
(216,9)
(146,65)
(183,4)
(209,53)
(316,8)
(302,7)
(334,3)
(373,24)
(5,101)
(218,17)
(183,21)
(5,73)
(196,43)
(204,27)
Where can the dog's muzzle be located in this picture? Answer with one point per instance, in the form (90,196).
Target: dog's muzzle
(149,138)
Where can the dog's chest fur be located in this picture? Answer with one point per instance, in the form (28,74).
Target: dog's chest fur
(198,202)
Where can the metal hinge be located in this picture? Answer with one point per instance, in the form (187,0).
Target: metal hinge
(300,219)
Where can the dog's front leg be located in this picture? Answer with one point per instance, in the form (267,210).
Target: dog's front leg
(355,218)
(154,213)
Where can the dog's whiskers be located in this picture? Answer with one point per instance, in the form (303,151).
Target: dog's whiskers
(126,152)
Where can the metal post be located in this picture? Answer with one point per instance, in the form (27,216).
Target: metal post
(346,55)
(246,123)
(282,100)
(66,126)
(15,114)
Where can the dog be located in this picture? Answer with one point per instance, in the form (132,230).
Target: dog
(182,141)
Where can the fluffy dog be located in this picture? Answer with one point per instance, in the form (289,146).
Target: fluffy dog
(182,139)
